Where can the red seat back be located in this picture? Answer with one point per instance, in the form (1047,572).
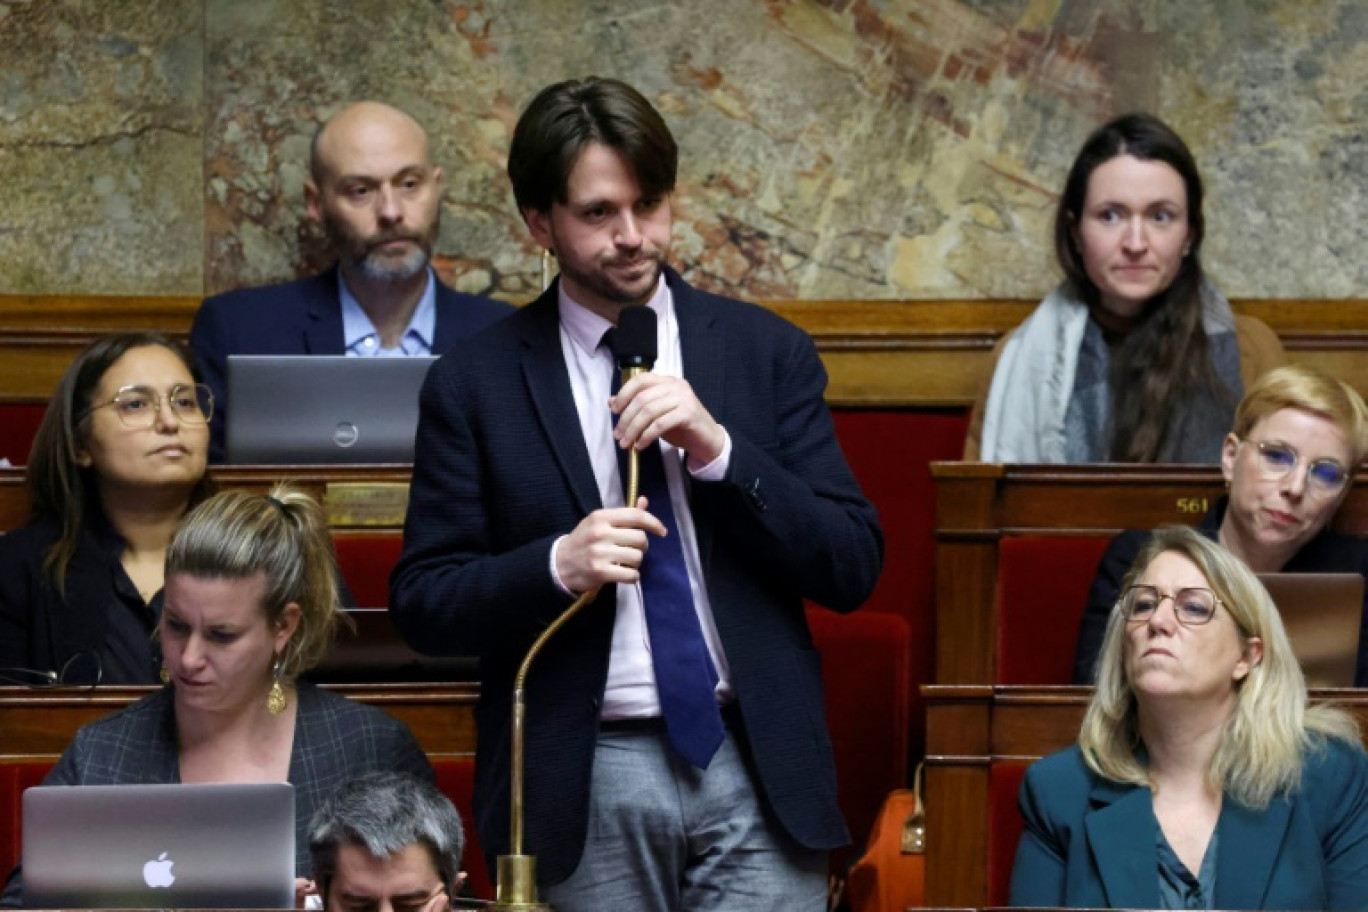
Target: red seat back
(14,778)
(1042,590)
(456,779)
(366,559)
(890,451)
(18,426)
(867,678)
(1004,827)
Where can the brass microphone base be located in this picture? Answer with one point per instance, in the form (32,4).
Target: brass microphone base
(517,889)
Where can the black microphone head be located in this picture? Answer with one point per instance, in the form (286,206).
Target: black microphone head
(636,337)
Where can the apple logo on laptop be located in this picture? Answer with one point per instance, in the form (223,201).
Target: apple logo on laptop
(157,872)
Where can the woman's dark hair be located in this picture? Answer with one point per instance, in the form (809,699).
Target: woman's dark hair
(566,117)
(1166,356)
(60,490)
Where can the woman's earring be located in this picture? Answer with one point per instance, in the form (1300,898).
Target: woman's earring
(275,700)
(164,674)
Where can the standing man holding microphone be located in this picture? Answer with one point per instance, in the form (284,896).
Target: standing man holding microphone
(676,756)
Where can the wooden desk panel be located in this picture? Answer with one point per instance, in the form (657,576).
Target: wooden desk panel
(38,725)
(313,479)
(879,353)
(970,728)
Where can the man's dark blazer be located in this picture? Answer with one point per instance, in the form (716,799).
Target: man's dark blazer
(502,471)
(303,317)
(1090,842)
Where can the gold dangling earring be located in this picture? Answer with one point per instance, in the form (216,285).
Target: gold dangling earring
(164,674)
(275,700)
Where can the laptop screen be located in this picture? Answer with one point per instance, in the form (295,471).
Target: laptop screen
(322,408)
(1322,613)
(159,846)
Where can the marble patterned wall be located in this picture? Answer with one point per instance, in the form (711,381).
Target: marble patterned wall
(830,148)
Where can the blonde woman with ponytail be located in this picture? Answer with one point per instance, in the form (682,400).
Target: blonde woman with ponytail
(251,604)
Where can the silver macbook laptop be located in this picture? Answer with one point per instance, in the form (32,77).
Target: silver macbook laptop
(1322,613)
(322,408)
(159,846)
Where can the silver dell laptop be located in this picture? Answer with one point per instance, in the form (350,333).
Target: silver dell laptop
(226,846)
(307,409)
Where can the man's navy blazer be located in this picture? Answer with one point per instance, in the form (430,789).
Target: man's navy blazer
(1091,843)
(502,471)
(303,317)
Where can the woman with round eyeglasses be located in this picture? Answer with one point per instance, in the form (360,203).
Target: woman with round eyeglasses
(118,460)
(1202,777)
(1288,463)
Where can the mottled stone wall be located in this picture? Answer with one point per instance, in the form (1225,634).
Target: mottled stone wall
(102,146)
(830,148)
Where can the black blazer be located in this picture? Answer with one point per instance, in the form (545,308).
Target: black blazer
(303,317)
(502,470)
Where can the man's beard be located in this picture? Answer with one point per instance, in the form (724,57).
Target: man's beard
(601,284)
(365,255)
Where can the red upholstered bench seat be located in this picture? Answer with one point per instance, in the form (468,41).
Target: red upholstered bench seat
(456,779)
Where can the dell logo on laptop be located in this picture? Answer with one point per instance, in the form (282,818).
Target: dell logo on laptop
(346,434)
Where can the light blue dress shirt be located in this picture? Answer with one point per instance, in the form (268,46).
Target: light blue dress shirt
(361,339)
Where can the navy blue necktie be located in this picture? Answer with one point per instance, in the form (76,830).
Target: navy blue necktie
(684,672)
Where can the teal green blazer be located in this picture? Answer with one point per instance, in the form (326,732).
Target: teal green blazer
(1090,842)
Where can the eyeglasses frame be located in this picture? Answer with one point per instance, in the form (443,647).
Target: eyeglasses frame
(1215,599)
(1317,487)
(159,400)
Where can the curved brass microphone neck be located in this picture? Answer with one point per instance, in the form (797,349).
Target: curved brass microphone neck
(517,873)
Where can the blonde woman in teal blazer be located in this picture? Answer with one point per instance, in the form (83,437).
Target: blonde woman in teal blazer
(1202,778)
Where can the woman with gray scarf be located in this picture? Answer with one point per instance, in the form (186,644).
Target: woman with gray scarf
(1135,356)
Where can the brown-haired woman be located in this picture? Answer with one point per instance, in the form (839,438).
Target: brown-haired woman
(119,458)
(1135,356)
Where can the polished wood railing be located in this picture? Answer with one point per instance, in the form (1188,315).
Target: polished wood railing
(884,354)
(38,724)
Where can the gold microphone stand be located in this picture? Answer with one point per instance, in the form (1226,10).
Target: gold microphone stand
(517,873)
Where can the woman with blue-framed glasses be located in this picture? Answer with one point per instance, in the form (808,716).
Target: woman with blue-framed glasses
(1289,462)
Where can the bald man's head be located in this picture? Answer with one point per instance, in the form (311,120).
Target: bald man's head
(375,191)
(362,126)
